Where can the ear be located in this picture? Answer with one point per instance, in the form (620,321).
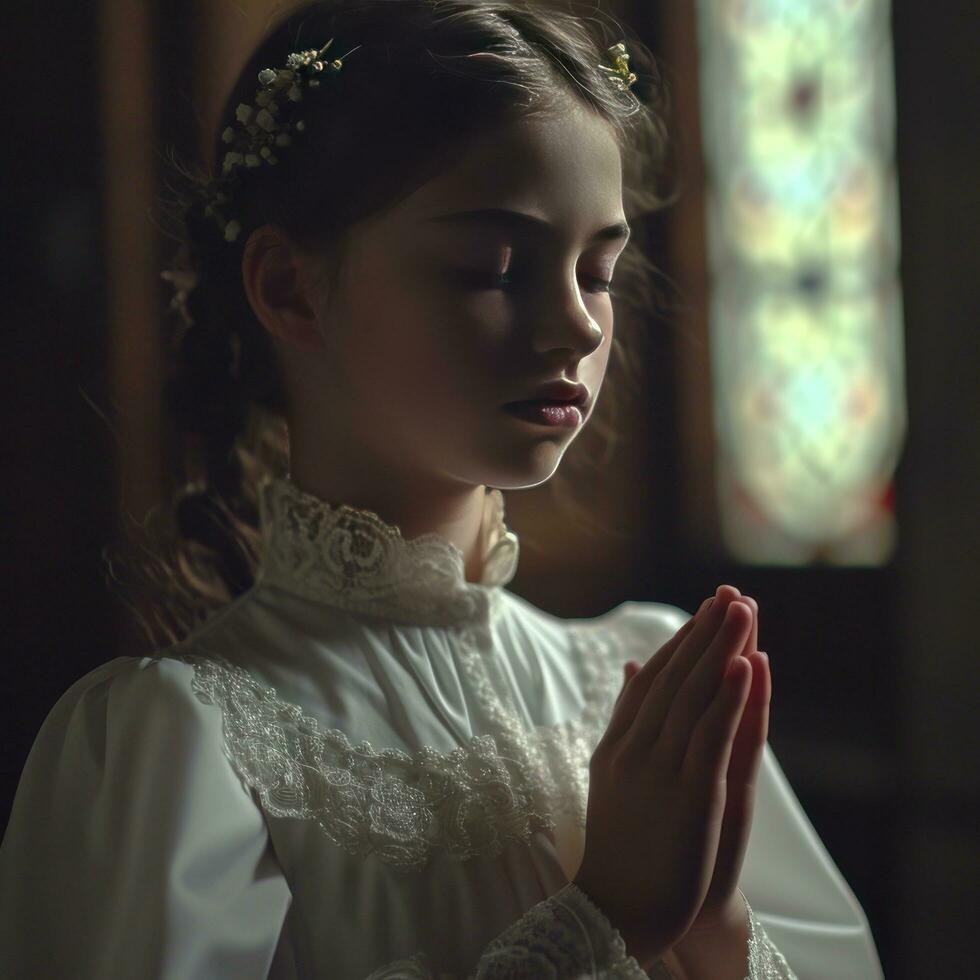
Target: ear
(278,290)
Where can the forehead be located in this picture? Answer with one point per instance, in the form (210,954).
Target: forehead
(564,165)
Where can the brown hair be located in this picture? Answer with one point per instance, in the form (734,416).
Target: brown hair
(410,94)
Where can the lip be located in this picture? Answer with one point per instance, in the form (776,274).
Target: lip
(560,391)
(546,414)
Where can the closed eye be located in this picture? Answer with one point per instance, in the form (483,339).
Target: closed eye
(483,280)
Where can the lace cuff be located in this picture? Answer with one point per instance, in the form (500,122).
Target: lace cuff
(765,960)
(564,937)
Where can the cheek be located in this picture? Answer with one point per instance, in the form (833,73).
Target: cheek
(402,349)
(458,340)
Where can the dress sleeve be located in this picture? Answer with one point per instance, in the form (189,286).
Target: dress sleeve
(133,849)
(796,891)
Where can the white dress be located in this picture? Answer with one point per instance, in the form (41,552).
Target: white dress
(365,767)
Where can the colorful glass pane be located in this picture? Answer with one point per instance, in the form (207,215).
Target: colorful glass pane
(805,317)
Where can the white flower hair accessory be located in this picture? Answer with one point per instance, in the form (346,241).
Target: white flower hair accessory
(263,129)
(183,281)
(268,125)
(619,74)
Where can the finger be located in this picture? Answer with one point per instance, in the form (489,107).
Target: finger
(673,709)
(751,644)
(629,672)
(629,701)
(665,672)
(743,767)
(662,657)
(689,651)
(710,747)
(700,689)
(753,729)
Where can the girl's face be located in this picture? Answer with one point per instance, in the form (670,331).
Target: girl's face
(422,349)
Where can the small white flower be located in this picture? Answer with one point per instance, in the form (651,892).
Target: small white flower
(251,160)
(232,160)
(244,113)
(231,231)
(283,139)
(228,135)
(181,279)
(295,60)
(295,93)
(265,120)
(267,76)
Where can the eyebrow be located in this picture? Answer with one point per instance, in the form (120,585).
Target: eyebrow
(518,221)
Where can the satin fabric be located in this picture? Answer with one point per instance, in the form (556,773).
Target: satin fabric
(136,848)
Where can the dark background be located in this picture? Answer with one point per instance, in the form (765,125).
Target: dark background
(873,669)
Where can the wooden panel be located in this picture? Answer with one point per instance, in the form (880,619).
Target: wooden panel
(131,255)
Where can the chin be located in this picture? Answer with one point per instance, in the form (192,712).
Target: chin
(524,472)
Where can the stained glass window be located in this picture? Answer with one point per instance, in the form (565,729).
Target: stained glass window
(806,333)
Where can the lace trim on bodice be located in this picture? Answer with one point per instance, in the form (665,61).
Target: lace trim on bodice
(387,802)
(349,558)
(492,790)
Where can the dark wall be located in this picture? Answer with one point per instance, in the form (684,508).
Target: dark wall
(58,455)
(939,814)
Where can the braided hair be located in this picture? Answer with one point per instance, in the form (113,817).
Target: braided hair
(427,74)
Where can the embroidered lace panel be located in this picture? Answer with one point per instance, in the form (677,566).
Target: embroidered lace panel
(494,789)
(386,802)
(349,558)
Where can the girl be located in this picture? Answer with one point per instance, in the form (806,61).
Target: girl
(374,761)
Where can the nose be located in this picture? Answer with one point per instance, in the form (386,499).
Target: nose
(565,322)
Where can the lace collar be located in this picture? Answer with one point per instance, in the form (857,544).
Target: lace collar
(351,559)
